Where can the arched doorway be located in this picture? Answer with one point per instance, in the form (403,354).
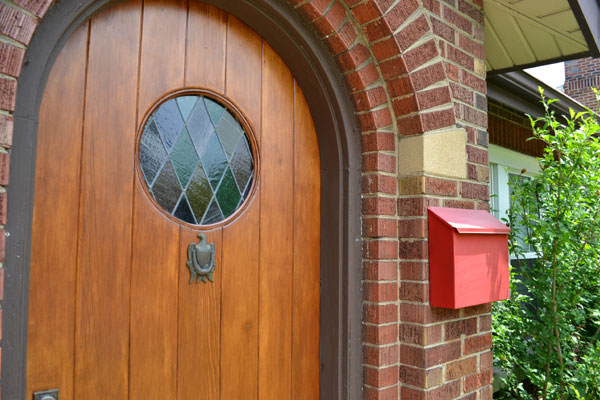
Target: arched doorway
(340,260)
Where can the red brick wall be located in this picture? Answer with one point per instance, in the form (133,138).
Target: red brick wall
(412,67)
(510,129)
(580,76)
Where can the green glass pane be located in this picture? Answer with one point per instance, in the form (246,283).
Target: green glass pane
(152,152)
(214,161)
(183,211)
(228,194)
(184,157)
(200,126)
(199,193)
(242,164)
(169,122)
(230,132)
(166,189)
(215,110)
(186,104)
(213,214)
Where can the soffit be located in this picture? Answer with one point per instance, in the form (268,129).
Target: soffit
(523,33)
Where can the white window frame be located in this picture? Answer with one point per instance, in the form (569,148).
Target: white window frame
(502,163)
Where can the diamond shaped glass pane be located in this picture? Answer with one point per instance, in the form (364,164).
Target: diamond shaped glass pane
(230,133)
(213,214)
(199,193)
(152,151)
(184,212)
(184,157)
(186,105)
(215,110)
(169,122)
(214,161)
(242,164)
(228,194)
(166,189)
(196,159)
(200,126)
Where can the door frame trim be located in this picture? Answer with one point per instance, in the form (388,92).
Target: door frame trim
(339,142)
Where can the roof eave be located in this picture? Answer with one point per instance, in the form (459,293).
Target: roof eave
(519,90)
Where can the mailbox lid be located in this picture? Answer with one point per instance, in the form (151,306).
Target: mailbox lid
(469,221)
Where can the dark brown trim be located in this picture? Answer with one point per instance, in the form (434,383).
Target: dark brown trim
(538,63)
(339,141)
(587,14)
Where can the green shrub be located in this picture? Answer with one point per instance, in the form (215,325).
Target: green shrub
(547,335)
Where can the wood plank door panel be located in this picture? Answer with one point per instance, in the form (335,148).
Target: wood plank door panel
(199,369)
(276,230)
(53,265)
(156,259)
(306,282)
(112,312)
(105,227)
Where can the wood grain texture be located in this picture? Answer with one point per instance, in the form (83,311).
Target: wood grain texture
(206,47)
(116,316)
(155,261)
(102,323)
(239,327)
(243,83)
(307,261)
(154,287)
(199,324)
(163,50)
(276,218)
(239,335)
(51,330)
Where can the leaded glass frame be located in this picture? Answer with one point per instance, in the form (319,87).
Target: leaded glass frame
(197,158)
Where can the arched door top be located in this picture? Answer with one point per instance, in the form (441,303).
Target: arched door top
(333,113)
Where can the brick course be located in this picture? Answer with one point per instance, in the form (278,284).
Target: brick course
(510,129)
(412,67)
(580,77)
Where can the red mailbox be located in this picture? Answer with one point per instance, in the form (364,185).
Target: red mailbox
(468,258)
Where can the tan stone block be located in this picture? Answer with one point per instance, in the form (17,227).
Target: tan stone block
(483,173)
(411,185)
(480,68)
(441,154)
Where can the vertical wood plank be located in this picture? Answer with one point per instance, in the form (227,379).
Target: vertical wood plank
(102,322)
(239,334)
(199,324)
(162,61)
(242,83)
(153,349)
(206,47)
(307,242)
(155,261)
(275,282)
(51,331)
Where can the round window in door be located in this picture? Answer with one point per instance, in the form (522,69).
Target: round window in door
(197,157)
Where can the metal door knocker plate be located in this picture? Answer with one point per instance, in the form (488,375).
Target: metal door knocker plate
(202,260)
(51,394)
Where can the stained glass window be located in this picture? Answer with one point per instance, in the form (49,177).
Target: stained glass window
(196,159)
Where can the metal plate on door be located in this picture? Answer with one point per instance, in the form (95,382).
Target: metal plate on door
(51,394)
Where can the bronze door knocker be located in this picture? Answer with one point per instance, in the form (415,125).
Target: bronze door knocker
(202,260)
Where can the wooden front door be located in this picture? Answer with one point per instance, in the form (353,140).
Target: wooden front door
(112,314)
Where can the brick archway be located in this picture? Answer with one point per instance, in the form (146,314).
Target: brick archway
(413,68)
(416,73)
